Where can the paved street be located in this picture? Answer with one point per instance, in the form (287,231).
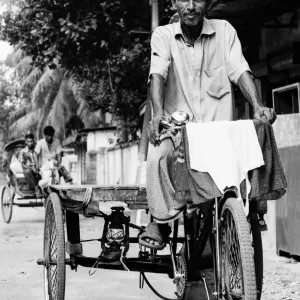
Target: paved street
(21,278)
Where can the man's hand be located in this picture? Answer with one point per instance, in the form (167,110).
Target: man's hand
(264,114)
(153,130)
(35,170)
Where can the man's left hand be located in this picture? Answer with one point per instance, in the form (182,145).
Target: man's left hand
(265,114)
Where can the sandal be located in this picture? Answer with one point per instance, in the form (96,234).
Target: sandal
(154,232)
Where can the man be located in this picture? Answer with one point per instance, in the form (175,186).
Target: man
(28,159)
(193,63)
(48,151)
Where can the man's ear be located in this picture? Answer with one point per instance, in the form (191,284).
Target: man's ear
(173,4)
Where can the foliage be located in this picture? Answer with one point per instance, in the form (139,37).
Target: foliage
(10,97)
(54,97)
(95,41)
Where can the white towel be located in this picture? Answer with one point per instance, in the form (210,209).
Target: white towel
(226,150)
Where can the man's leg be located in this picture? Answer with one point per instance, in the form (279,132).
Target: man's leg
(160,189)
(29,175)
(160,194)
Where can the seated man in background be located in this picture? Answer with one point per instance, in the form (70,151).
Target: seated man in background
(28,159)
(48,151)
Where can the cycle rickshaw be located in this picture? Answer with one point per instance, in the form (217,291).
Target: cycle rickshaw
(16,191)
(234,238)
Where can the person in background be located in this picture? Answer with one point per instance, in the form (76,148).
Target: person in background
(28,159)
(48,152)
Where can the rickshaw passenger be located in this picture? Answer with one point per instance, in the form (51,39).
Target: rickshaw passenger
(28,159)
(48,151)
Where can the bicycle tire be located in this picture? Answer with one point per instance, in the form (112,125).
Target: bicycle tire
(258,253)
(6,204)
(54,250)
(236,253)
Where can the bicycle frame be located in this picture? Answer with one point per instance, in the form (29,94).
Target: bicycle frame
(195,243)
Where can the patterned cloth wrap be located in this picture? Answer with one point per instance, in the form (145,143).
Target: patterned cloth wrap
(267,182)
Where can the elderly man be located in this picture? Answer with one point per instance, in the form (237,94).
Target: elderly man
(193,63)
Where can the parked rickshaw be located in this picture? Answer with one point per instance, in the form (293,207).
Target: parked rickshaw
(235,240)
(16,191)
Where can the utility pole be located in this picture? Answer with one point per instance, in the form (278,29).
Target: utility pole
(147,116)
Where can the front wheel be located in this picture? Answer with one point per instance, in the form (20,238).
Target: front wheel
(54,250)
(236,252)
(6,204)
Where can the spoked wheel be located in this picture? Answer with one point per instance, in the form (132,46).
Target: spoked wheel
(6,204)
(181,277)
(237,264)
(54,250)
(258,253)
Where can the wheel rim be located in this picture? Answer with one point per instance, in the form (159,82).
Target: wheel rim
(6,204)
(181,282)
(232,271)
(51,281)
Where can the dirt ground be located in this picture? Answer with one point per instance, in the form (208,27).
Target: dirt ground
(21,278)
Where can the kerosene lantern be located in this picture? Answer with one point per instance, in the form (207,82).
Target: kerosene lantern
(116,231)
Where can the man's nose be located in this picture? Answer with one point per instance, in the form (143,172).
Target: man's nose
(191,5)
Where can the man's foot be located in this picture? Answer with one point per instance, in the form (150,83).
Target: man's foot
(38,192)
(155,236)
(111,254)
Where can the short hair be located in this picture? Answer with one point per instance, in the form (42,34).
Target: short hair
(29,136)
(49,130)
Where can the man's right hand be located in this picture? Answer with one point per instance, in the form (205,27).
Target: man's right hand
(153,130)
(35,170)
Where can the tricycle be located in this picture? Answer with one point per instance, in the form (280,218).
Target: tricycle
(234,239)
(17,191)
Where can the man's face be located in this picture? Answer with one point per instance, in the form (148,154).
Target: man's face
(49,138)
(30,143)
(191,12)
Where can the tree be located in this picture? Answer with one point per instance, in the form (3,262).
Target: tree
(52,97)
(95,41)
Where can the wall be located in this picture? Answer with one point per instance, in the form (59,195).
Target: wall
(280,39)
(117,165)
(287,134)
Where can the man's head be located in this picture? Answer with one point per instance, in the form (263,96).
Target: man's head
(29,140)
(192,12)
(49,133)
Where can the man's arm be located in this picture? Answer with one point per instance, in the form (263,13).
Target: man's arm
(22,160)
(58,152)
(157,88)
(249,90)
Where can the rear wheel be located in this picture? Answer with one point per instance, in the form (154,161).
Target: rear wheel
(6,204)
(54,250)
(237,264)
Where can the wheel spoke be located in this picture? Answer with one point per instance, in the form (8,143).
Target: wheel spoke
(232,278)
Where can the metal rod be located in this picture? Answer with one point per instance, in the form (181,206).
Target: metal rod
(175,235)
(172,258)
(216,228)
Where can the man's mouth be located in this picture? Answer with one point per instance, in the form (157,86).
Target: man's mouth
(191,15)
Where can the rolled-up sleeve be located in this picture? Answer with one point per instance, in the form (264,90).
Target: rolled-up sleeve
(236,63)
(160,54)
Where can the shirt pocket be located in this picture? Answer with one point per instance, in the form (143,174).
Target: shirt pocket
(218,84)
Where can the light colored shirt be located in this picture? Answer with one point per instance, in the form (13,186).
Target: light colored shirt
(198,78)
(47,151)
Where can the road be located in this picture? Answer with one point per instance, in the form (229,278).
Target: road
(21,278)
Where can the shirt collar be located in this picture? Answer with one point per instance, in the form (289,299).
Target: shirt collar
(207,29)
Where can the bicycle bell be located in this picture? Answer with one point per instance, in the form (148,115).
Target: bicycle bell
(180,118)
